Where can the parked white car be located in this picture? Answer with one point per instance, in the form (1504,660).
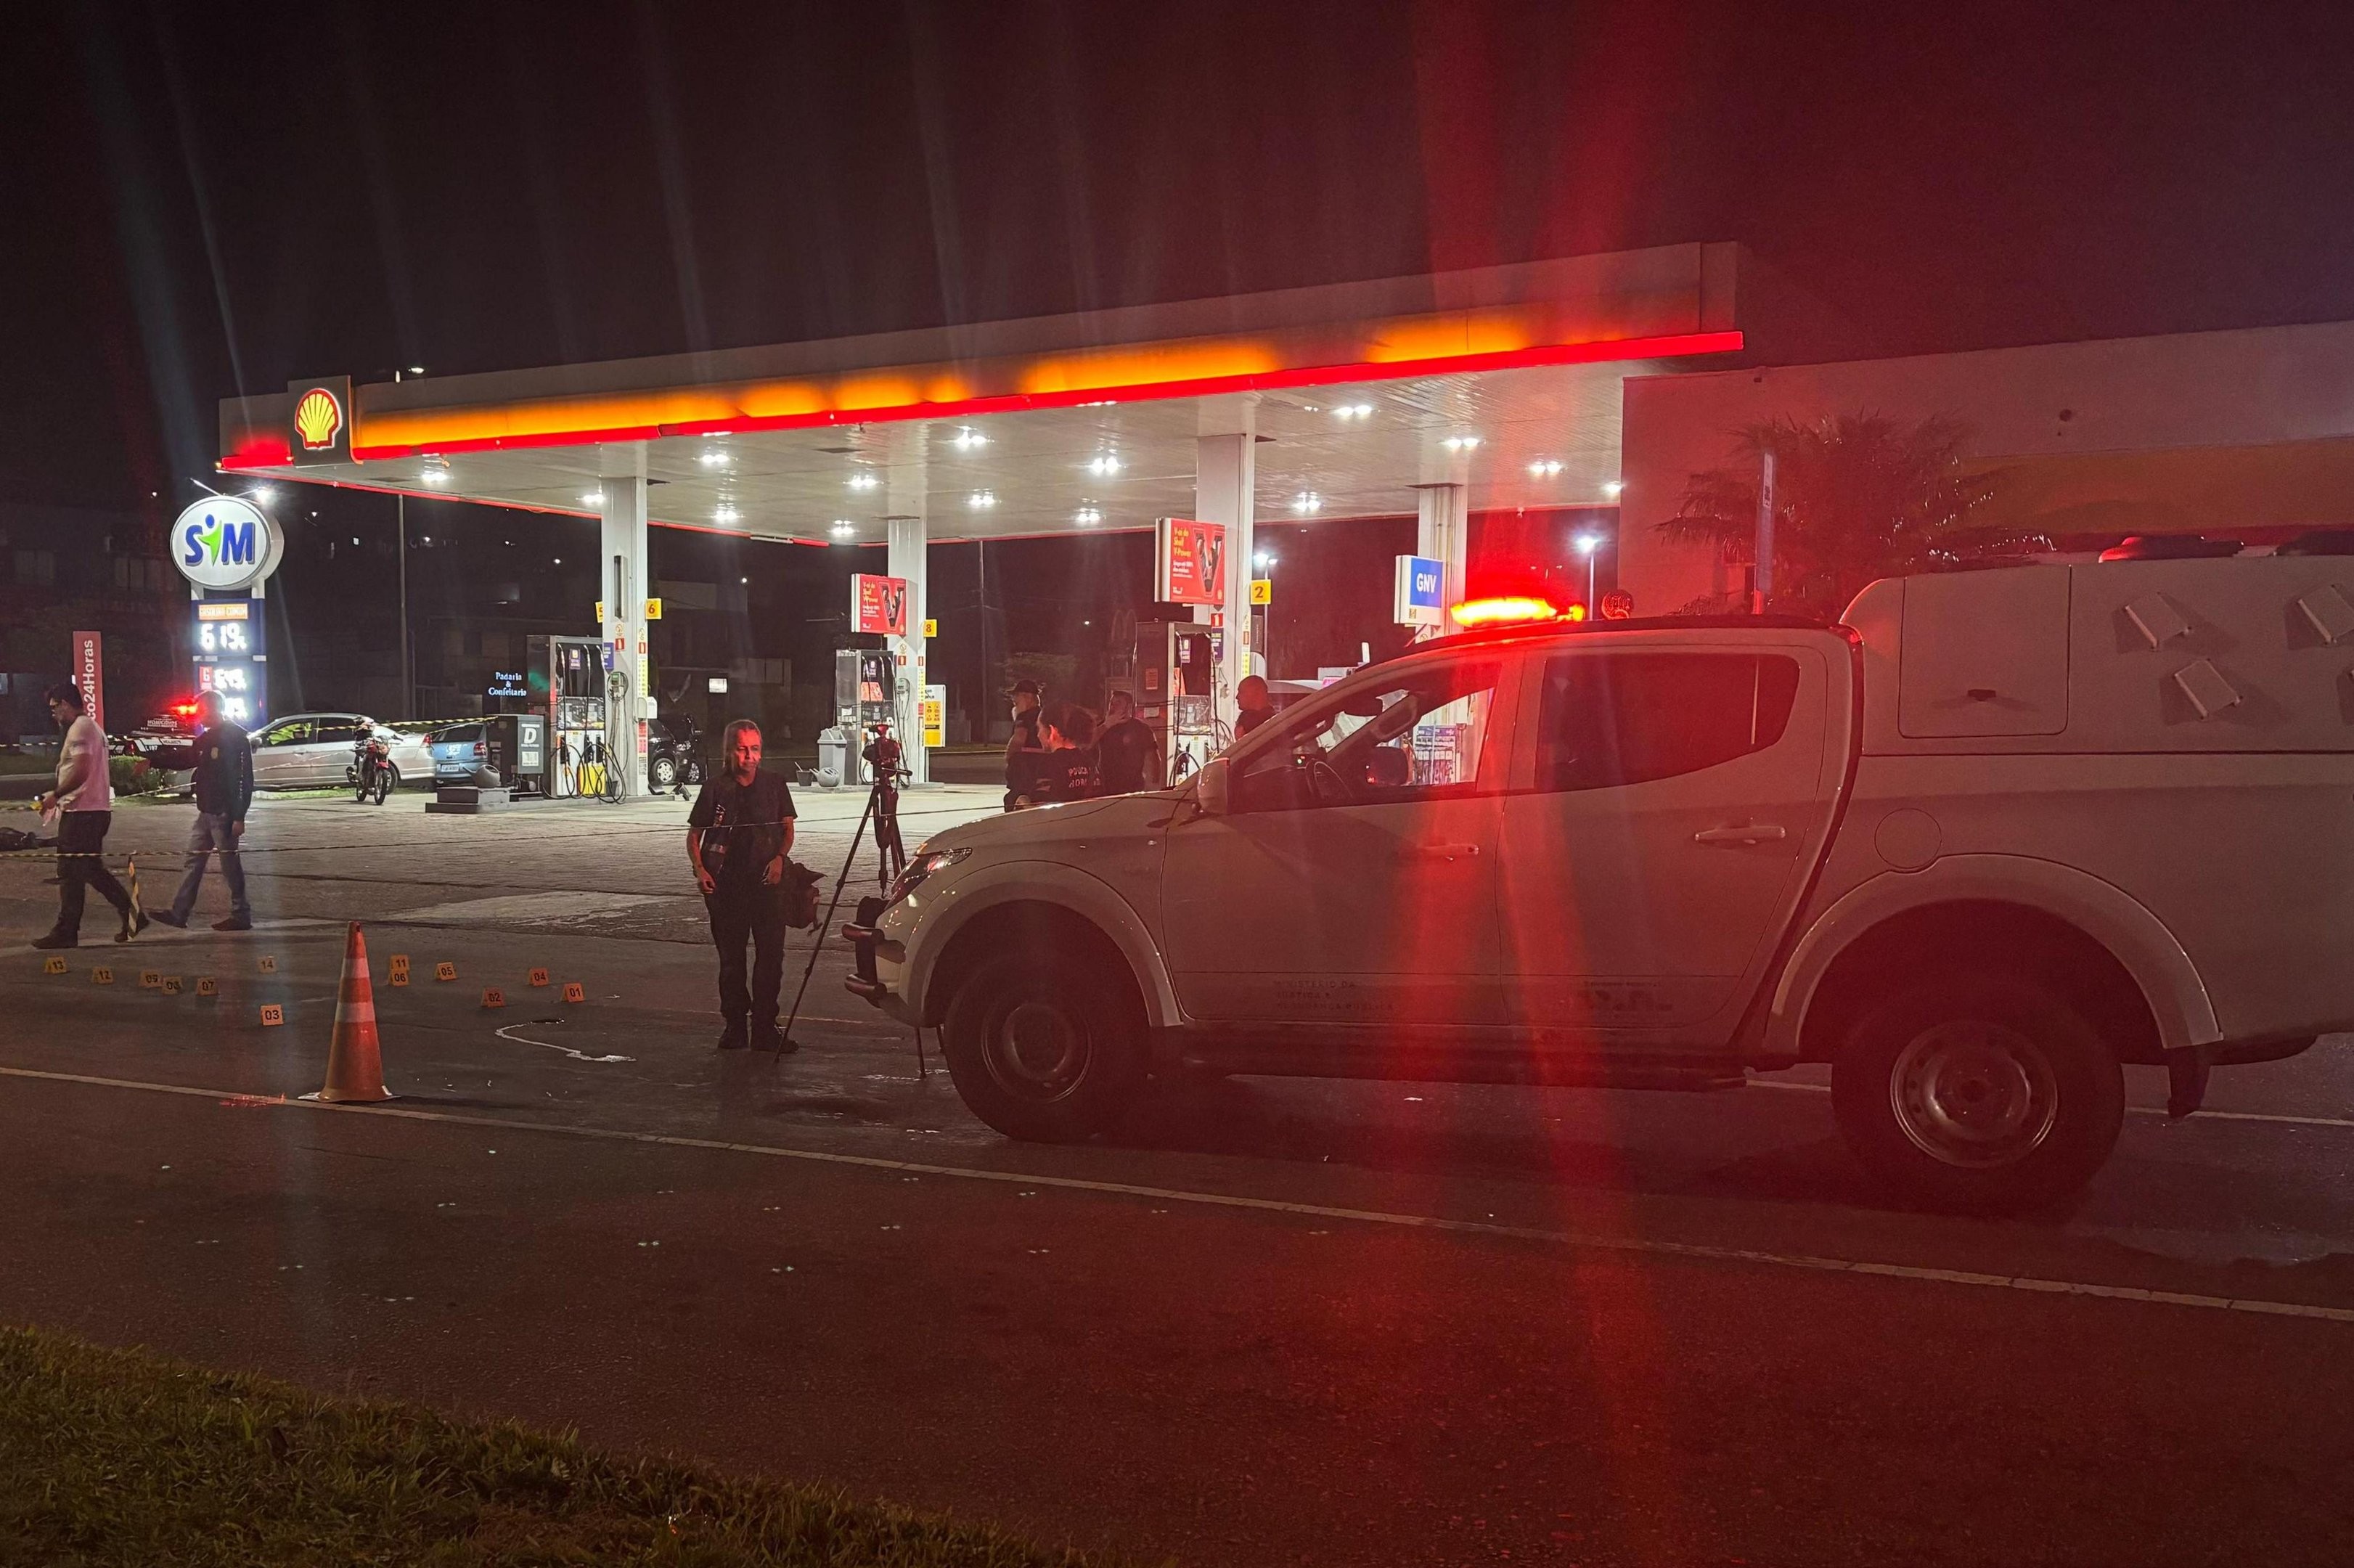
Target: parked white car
(2000,833)
(314,751)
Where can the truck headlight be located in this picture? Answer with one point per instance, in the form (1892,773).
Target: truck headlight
(926,863)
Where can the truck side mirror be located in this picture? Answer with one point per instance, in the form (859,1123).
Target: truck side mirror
(1210,790)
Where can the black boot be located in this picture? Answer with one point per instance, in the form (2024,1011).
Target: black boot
(733,1037)
(57,940)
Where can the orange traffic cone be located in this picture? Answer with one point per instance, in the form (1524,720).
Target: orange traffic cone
(355,1063)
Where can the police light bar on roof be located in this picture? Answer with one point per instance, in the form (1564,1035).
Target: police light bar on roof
(1505,611)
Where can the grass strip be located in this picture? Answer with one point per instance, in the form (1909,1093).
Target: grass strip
(121,1458)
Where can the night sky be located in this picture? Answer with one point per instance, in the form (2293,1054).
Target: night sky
(208,198)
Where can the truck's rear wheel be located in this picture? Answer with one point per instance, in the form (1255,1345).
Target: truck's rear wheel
(1978,1095)
(1044,1048)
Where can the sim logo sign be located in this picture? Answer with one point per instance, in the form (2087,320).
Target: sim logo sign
(223,544)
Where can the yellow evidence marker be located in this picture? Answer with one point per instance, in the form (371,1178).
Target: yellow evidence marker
(208,986)
(53,967)
(268,965)
(539,977)
(102,975)
(171,986)
(272,1015)
(445,971)
(493,997)
(574,991)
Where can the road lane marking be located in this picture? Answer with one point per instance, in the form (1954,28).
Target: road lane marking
(2131,1110)
(1692,1250)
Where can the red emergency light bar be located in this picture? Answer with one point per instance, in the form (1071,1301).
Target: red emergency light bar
(1508,611)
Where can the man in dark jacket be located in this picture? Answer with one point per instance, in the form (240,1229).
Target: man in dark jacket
(224,763)
(736,836)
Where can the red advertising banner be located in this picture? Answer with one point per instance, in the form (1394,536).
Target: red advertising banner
(90,674)
(1190,562)
(878,605)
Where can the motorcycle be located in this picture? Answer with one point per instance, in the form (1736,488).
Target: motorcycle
(372,767)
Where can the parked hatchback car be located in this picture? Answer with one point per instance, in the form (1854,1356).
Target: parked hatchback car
(314,751)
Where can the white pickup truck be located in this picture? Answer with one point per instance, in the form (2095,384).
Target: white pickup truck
(1998,834)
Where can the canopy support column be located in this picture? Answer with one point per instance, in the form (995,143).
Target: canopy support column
(1225,473)
(624,585)
(1442,531)
(909,538)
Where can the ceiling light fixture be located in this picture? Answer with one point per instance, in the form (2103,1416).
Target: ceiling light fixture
(715,460)
(1105,466)
(1613,487)
(1544,468)
(1086,516)
(967,439)
(725,515)
(863,480)
(1353,411)
(437,476)
(592,497)
(1460,443)
(981,500)
(1306,502)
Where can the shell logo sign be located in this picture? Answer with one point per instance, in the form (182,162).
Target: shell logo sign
(318,419)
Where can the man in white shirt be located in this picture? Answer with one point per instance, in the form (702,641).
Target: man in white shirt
(84,801)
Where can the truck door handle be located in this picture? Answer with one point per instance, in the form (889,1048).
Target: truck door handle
(1758,834)
(1446,851)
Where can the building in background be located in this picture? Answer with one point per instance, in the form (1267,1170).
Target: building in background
(67,570)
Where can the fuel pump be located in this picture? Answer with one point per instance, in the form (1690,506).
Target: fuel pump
(576,711)
(865,694)
(1171,670)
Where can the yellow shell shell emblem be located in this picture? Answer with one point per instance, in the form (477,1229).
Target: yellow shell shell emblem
(317,418)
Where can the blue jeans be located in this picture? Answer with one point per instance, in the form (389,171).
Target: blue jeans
(209,835)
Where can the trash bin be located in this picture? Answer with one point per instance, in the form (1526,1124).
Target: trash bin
(832,756)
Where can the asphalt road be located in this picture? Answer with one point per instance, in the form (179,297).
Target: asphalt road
(1280,1321)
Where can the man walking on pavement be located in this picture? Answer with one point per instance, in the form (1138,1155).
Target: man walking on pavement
(84,799)
(224,764)
(736,836)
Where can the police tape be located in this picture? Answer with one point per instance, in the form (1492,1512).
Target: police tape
(967,812)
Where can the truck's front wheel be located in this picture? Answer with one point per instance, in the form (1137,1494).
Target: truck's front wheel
(1044,1048)
(1978,1095)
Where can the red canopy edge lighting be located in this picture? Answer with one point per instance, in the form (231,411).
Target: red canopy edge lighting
(635,416)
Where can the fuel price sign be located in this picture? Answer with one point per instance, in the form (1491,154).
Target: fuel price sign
(230,659)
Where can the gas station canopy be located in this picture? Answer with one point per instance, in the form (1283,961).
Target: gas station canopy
(1504,381)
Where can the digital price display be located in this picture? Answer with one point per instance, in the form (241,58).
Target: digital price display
(230,659)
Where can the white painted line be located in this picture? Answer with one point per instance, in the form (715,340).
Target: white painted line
(1692,1250)
(2130,1110)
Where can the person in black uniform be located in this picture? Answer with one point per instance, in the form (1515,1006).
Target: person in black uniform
(736,836)
(1129,750)
(1023,747)
(1069,769)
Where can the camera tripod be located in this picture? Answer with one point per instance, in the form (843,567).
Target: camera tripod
(882,810)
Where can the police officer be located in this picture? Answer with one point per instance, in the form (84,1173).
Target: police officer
(736,836)
(1023,747)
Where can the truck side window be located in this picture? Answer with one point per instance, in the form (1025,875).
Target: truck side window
(1424,737)
(1610,719)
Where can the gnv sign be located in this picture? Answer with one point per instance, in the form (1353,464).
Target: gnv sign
(224,544)
(1421,591)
